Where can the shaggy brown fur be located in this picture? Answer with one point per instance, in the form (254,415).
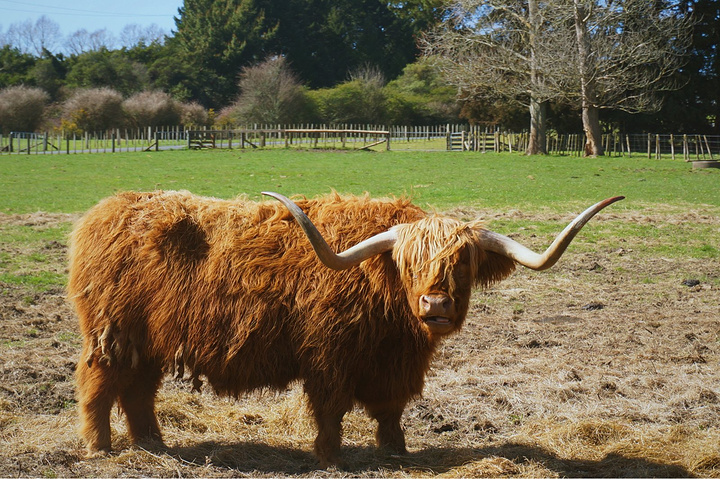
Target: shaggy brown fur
(232,292)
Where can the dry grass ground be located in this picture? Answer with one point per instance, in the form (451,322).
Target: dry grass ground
(607,365)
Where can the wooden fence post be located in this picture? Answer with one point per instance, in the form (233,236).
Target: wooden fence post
(672,147)
(707,145)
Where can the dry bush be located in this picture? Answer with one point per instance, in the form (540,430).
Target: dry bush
(225,119)
(22,108)
(194,115)
(94,109)
(152,108)
(270,93)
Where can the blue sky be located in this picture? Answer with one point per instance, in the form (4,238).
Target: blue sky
(73,15)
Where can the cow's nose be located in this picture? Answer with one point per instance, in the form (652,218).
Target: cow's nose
(435,304)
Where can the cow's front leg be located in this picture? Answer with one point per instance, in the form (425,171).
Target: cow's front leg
(390,435)
(328,410)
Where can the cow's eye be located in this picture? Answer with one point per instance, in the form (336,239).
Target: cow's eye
(462,273)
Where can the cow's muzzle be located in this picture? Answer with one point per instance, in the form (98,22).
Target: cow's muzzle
(437,311)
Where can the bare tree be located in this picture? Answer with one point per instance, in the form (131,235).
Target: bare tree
(102,38)
(36,37)
(627,52)
(594,53)
(84,41)
(134,34)
(501,48)
(78,42)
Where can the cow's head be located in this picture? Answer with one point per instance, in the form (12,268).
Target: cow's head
(441,259)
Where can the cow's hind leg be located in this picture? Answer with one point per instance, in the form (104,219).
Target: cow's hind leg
(97,391)
(137,400)
(389,435)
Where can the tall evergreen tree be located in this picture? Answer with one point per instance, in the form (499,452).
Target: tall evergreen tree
(324,40)
(217,38)
(15,66)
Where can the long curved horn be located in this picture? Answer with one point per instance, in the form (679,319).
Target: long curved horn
(355,255)
(512,249)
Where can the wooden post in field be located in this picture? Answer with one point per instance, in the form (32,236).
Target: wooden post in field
(627,140)
(672,147)
(658,155)
(686,152)
(648,149)
(707,145)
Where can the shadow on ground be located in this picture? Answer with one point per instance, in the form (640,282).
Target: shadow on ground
(260,458)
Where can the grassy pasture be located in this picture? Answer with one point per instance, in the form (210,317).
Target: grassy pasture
(606,365)
(73,183)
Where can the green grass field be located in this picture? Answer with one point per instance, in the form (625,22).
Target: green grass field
(473,181)
(73,183)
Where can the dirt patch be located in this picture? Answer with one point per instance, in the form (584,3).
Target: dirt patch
(606,365)
(38,219)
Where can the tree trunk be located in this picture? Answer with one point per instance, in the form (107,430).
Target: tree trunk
(590,110)
(538,108)
(537,142)
(593,133)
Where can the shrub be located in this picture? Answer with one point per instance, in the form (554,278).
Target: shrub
(420,96)
(22,108)
(225,119)
(94,109)
(151,108)
(351,102)
(270,93)
(194,114)
(361,99)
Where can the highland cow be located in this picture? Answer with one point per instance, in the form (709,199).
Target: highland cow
(231,292)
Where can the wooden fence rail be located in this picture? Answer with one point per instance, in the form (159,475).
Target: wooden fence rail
(460,137)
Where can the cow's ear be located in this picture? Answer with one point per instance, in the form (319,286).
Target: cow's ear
(492,268)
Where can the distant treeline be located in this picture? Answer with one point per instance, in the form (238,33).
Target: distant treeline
(349,61)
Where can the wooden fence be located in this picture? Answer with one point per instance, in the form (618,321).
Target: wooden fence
(687,147)
(110,141)
(357,136)
(264,137)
